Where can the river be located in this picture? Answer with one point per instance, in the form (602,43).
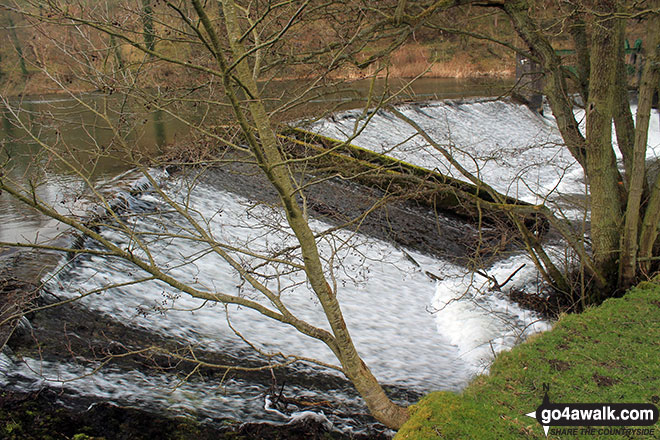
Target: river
(416,332)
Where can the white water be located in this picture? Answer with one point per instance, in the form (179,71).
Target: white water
(505,144)
(413,332)
(511,148)
(389,304)
(387,300)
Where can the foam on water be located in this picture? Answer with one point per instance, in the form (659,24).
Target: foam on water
(513,149)
(393,309)
(481,320)
(412,331)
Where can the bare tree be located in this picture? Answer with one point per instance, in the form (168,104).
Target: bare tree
(623,206)
(222,59)
(224,56)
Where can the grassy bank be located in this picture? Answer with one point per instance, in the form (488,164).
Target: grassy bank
(607,354)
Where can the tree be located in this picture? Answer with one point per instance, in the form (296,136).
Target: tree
(225,47)
(226,56)
(622,237)
(616,203)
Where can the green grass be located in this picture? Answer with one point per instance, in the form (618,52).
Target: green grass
(608,354)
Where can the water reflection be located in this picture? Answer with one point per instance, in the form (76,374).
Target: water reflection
(160,135)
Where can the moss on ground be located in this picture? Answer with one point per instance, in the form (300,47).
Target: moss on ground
(608,354)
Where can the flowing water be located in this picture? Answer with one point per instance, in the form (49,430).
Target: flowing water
(416,333)
(516,151)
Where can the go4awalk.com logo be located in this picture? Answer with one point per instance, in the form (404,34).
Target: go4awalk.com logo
(623,419)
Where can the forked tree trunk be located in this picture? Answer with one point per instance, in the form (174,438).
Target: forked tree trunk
(648,84)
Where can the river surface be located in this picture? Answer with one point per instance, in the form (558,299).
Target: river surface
(416,333)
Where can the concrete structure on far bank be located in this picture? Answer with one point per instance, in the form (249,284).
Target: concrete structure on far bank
(529,76)
(529,83)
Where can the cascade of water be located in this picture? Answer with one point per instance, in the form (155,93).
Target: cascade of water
(415,332)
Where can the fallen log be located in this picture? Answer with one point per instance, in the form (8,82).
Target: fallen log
(402,179)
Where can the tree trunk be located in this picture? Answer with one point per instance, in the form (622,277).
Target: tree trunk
(601,170)
(578,31)
(629,242)
(623,119)
(649,84)
(271,161)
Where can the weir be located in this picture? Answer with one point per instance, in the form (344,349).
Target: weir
(402,179)
(417,332)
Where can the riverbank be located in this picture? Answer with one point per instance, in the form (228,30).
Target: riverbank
(606,354)
(436,59)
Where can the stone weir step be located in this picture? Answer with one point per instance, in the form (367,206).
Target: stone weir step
(400,179)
